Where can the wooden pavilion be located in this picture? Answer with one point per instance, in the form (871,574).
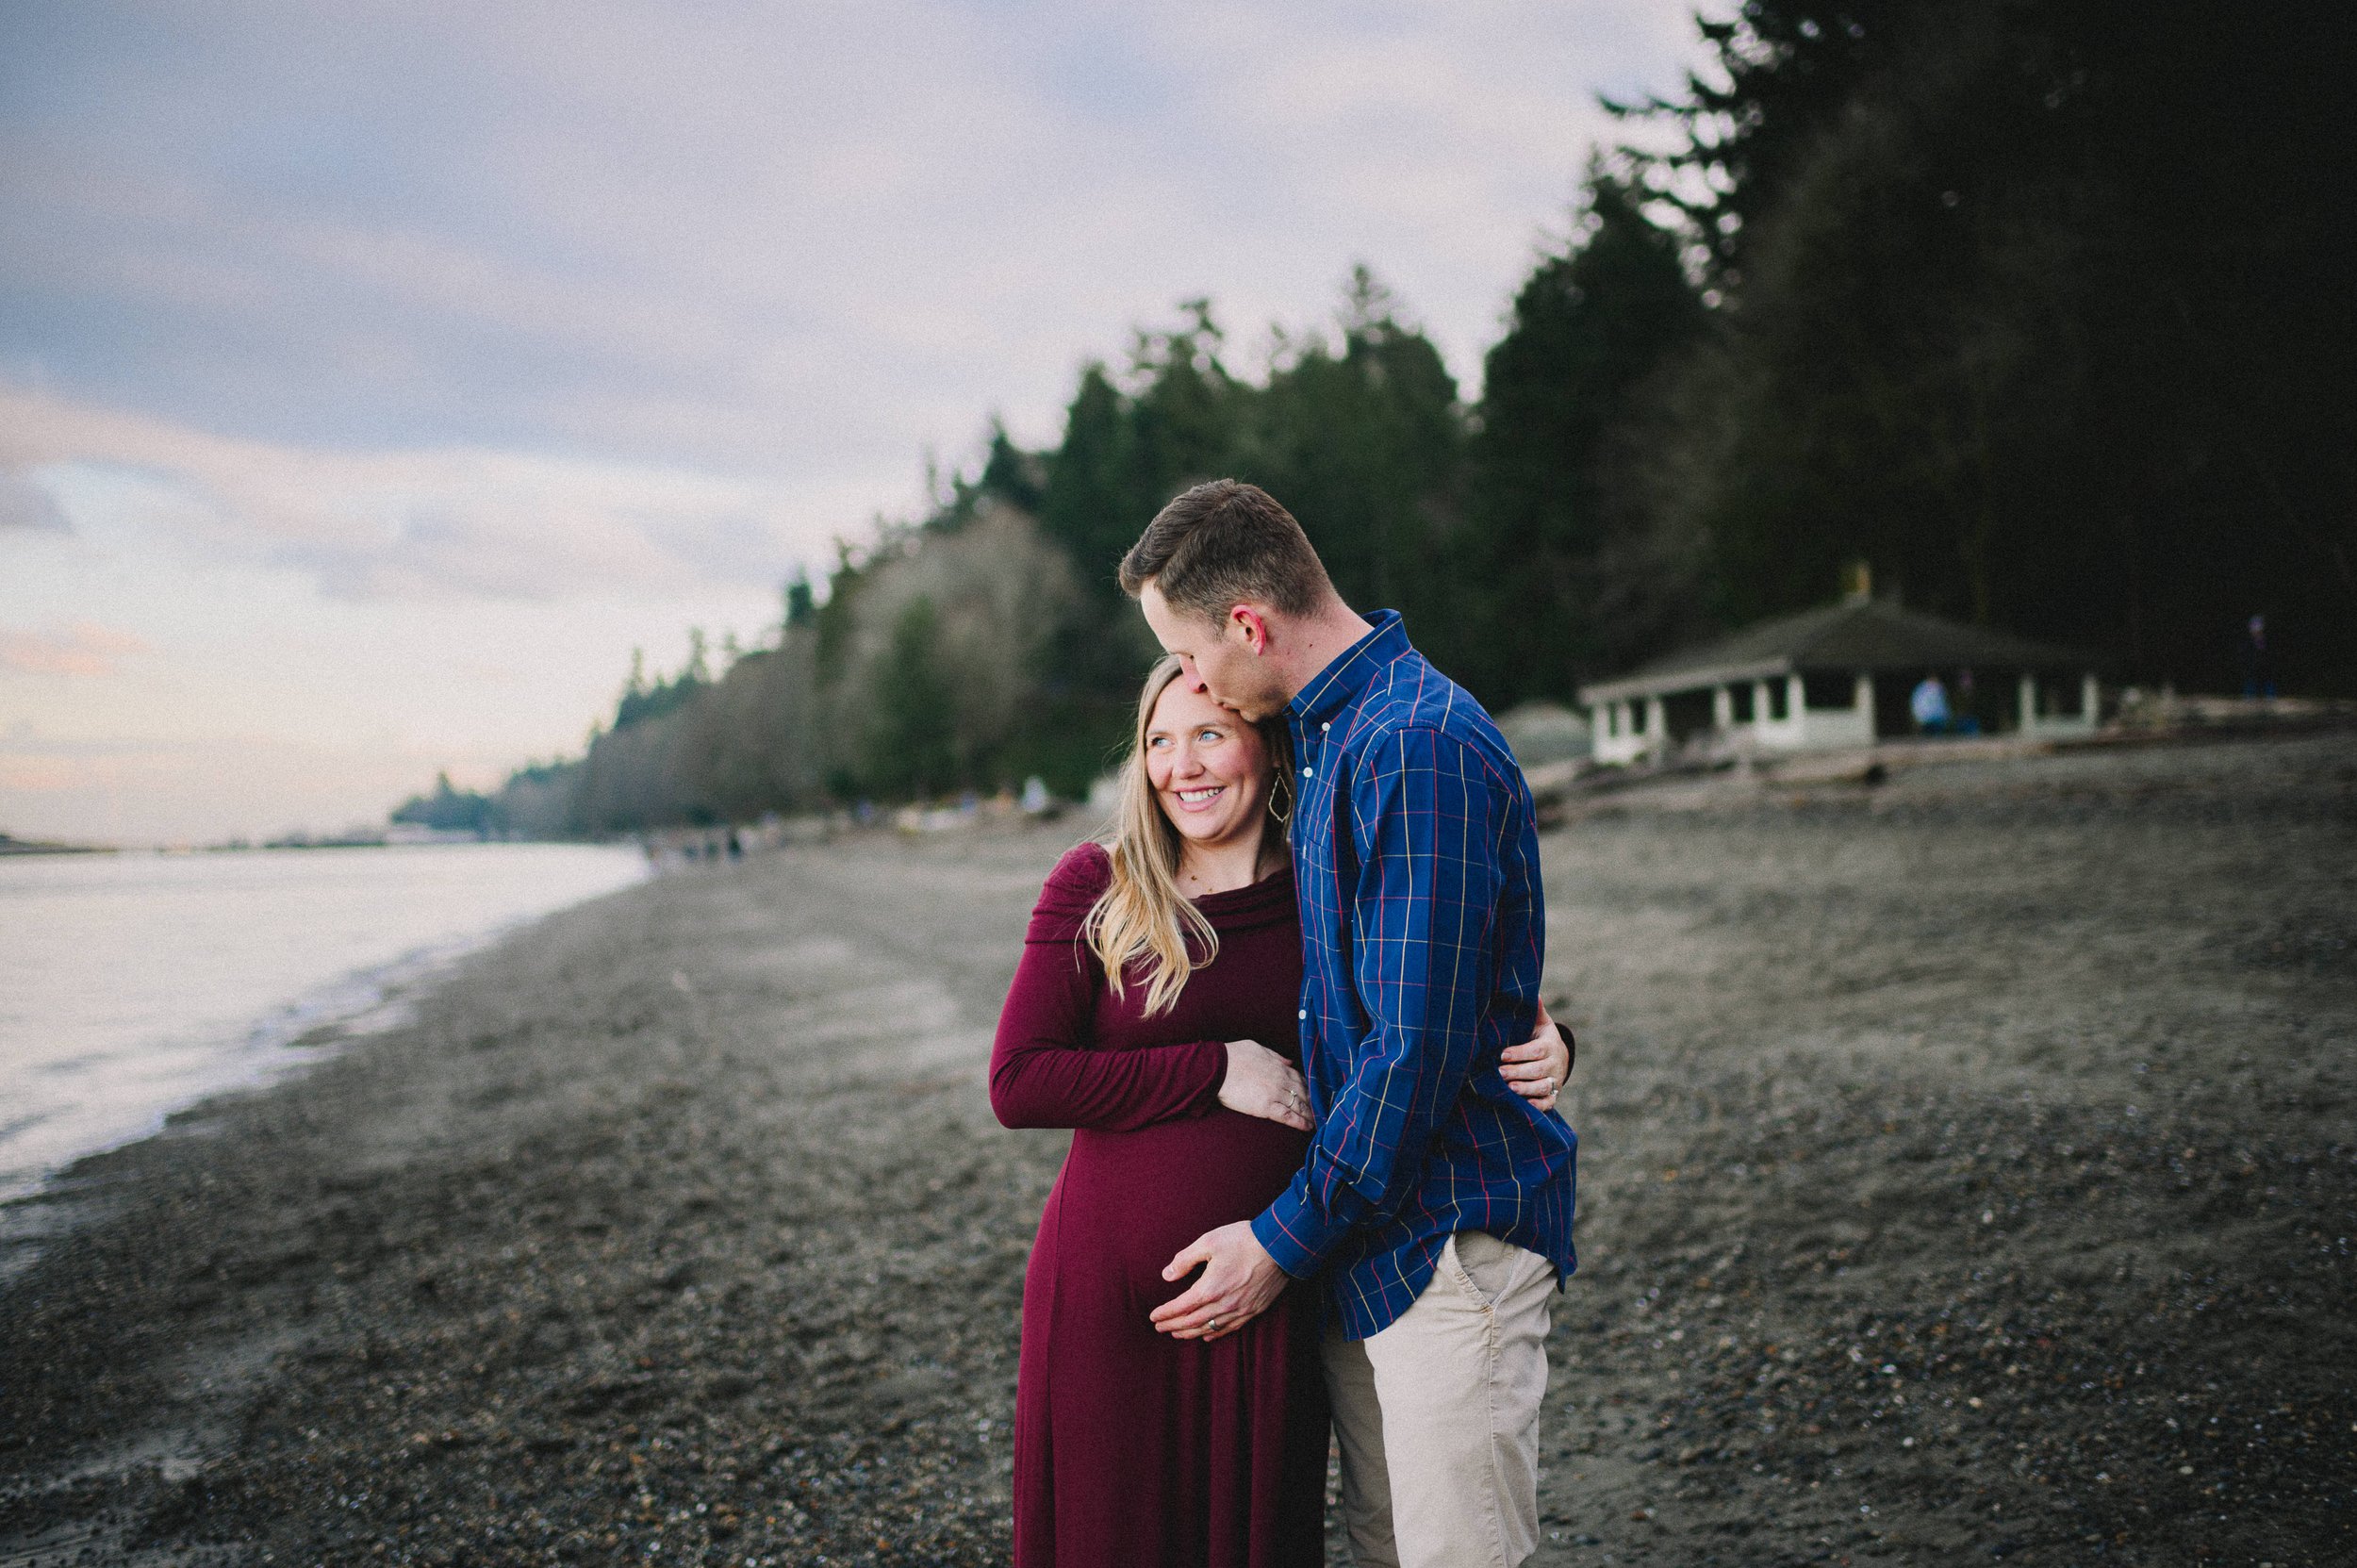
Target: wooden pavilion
(1837,676)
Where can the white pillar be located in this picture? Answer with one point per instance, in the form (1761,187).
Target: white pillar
(1759,702)
(2090,698)
(1722,707)
(1862,699)
(2029,704)
(1657,723)
(1796,707)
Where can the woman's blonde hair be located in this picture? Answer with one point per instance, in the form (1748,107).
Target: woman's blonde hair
(1142,919)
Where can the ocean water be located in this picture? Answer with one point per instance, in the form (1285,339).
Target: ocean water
(134,984)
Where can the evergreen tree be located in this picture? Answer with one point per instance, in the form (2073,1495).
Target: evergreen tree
(2038,306)
(2034,305)
(1365,447)
(1012,475)
(448,809)
(1086,507)
(1784,71)
(1590,326)
(802,601)
(1183,414)
(912,724)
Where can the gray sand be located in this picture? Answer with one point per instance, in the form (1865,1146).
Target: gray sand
(1967,1174)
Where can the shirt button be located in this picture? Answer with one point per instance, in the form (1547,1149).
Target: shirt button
(1303,1013)
(1327,725)
(1306,773)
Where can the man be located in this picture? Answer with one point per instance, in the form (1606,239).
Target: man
(1435,1203)
(2258,674)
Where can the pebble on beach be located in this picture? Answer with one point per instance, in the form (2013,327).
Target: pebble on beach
(1966,1176)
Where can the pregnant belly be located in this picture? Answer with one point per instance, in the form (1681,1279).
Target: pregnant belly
(1130,1200)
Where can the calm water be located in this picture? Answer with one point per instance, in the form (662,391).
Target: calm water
(133,984)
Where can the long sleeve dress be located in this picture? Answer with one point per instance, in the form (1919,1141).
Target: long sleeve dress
(1131,1448)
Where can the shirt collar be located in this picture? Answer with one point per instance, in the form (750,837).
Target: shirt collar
(1341,682)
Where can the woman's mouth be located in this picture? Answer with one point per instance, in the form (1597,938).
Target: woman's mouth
(1201,797)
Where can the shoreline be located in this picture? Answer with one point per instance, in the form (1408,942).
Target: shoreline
(43,847)
(126,1020)
(1966,1176)
(277,1048)
(561,1242)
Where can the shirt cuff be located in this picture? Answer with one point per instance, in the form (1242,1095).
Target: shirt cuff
(1295,1234)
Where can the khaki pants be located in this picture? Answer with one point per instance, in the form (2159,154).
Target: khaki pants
(1438,1415)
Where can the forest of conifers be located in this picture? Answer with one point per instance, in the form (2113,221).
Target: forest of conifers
(2042,308)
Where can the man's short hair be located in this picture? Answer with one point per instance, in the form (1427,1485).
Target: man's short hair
(1222,544)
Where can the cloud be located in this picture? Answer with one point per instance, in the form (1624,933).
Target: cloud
(346,350)
(427,524)
(43,776)
(83,648)
(139,791)
(803,242)
(24,504)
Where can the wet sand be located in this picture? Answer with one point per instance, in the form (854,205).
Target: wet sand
(1967,1174)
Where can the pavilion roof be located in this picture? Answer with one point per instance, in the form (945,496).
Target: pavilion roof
(1859,635)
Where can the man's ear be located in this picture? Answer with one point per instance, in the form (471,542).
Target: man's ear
(1250,625)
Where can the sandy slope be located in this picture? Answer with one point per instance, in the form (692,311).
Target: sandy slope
(681,1219)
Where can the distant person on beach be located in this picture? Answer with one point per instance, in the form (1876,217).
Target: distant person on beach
(1929,703)
(1435,1205)
(1153,1012)
(2258,673)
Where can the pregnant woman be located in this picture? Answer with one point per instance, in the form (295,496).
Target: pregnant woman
(1154,1012)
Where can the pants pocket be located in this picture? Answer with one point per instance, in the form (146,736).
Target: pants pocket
(1479,1264)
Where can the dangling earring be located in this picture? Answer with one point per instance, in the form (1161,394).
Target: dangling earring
(1282,790)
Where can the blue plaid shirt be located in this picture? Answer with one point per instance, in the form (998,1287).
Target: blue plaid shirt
(1416,864)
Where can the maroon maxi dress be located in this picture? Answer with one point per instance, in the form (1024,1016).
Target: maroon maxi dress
(1131,1448)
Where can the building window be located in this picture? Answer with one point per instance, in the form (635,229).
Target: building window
(1829,691)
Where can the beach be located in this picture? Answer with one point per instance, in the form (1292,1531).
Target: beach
(1968,1173)
(134,984)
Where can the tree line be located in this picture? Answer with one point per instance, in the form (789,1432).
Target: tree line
(2039,307)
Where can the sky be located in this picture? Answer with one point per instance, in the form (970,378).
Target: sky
(375,377)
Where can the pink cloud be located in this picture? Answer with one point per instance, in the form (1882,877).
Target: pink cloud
(84,648)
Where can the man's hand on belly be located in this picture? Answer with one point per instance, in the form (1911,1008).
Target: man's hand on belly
(1239,1281)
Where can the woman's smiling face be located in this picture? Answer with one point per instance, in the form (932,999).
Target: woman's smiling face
(1209,769)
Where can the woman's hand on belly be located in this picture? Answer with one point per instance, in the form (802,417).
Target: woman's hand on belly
(1261,1084)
